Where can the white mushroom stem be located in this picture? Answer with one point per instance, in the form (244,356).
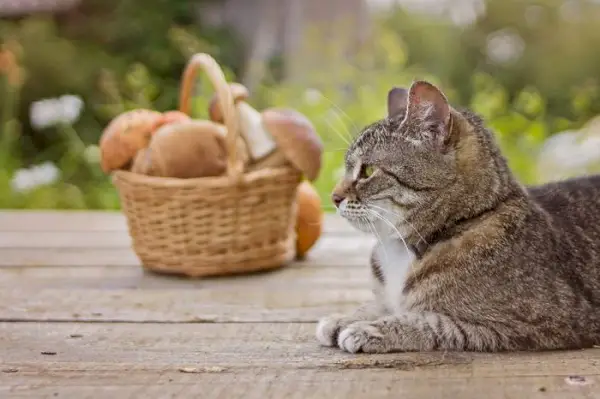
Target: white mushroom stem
(259,140)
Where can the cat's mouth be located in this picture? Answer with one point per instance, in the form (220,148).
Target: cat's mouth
(368,218)
(358,216)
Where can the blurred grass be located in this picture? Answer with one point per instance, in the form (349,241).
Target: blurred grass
(340,97)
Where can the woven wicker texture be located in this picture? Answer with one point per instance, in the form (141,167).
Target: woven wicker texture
(238,223)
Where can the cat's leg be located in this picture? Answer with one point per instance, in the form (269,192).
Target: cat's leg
(330,326)
(412,332)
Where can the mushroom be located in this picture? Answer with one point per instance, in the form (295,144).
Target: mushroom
(174,116)
(129,132)
(125,135)
(309,219)
(258,141)
(184,150)
(275,137)
(295,138)
(239,93)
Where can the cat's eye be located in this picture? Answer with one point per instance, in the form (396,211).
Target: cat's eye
(366,171)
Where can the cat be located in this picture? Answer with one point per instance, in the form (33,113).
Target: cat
(493,265)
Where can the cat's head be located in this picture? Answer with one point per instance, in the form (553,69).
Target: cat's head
(423,165)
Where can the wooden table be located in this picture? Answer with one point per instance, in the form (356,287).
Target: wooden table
(79,318)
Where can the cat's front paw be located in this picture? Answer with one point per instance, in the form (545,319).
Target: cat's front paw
(362,336)
(329,328)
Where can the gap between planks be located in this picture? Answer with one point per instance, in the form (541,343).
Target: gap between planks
(289,384)
(246,346)
(128,294)
(263,360)
(106,221)
(135,277)
(211,304)
(67,257)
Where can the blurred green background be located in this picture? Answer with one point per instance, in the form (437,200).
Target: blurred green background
(530,68)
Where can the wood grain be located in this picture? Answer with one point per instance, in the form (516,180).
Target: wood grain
(40,257)
(114,249)
(305,275)
(294,384)
(296,293)
(64,221)
(71,287)
(121,240)
(231,304)
(263,360)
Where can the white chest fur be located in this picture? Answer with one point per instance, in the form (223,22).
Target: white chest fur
(395,262)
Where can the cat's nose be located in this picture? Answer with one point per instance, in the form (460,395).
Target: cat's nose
(337,199)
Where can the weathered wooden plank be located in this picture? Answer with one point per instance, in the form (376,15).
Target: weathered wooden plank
(293,384)
(65,257)
(88,249)
(122,240)
(237,303)
(54,221)
(231,345)
(308,274)
(263,360)
(247,346)
(38,257)
(260,355)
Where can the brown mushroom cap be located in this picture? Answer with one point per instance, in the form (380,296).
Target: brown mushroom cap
(239,93)
(296,137)
(174,116)
(125,135)
(186,149)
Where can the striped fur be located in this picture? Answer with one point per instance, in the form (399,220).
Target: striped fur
(495,266)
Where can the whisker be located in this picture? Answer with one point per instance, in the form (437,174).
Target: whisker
(390,224)
(336,149)
(348,131)
(380,217)
(378,237)
(341,136)
(341,111)
(402,218)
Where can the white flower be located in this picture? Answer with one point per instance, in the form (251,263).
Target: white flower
(38,175)
(22,181)
(569,153)
(505,46)
(71,107)
(466,12)
(43,113)
(46,173)
(53,111)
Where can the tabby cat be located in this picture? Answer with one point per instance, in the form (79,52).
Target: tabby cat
(493,266)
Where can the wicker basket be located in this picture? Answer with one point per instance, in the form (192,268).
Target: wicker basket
(238,223)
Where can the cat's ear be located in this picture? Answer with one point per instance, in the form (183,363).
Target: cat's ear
(397,101)
(427,104)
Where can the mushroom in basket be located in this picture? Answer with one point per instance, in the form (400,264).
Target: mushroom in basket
(129,132)
(274,137)
(184,150)
(168,144)
(278,137)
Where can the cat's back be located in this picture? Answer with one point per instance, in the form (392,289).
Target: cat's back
(573,204)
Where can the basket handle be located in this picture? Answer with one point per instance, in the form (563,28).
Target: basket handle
(215,74)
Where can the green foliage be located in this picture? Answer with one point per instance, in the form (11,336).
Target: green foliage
(118,58)
(558,57)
